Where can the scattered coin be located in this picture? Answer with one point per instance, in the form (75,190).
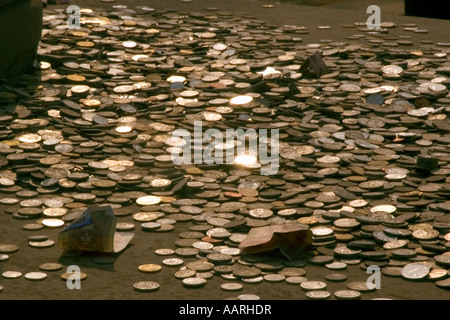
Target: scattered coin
(53,223)
(35,276)
(415,271)
(185,273)
(359,286)
(194,282)
(248,297)
(318,294)
(336,277)
(41,244)
(8,248)
(11,274)
(69,275)
(173,262)
(149,268)
(231,286)
(347,294)
(313,285)
(164,252)
(146,286)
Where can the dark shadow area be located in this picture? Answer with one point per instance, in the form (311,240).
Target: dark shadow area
(437,9)
(95,260)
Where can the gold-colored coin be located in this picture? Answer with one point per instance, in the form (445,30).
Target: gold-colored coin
(76,78)
(91,102)
(68,275)
(307,220)
(447,237)
(85,44)
(149,268)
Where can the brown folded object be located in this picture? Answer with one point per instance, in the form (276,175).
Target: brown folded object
(315,62)
(94,231)
(290,239)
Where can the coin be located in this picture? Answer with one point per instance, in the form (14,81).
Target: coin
(313,285)
(346,223)
(194,282)
(200,266)
(73,275)
(148,200)
(248,297)
(173,262)
(11,274)
(4,257)
(425,234)
(53,223)
(347,294)
(149,268)
(146,286)
(246,272)
(8,248)
(336,277)
(415,271)
(41,244)
(296,280)
(318,294)
(183,274)
(359,286)
(336,266)
(147,216)
(274,277)
(437,274)
(231,286)
(392,69)
(35,276)
(164,252)
(443,259)
(445,284)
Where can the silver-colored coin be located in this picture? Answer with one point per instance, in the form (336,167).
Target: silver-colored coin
(296,280)
(200,266)
(172,262)
(146,286)
(231,286)
(41,244)
(201,245)
(35,276)
(318,294)
(194,282)
(273,277)
(205,275)
(347,294)
(360,286)
(50,266)
(336,266)
(11,274)
(248,297)
(4,257)
(313,285)
(443,259)
(253,280)
(164,252)
(8,248)
(183,274)
(415,271)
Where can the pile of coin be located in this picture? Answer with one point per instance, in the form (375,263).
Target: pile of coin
(364,157)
